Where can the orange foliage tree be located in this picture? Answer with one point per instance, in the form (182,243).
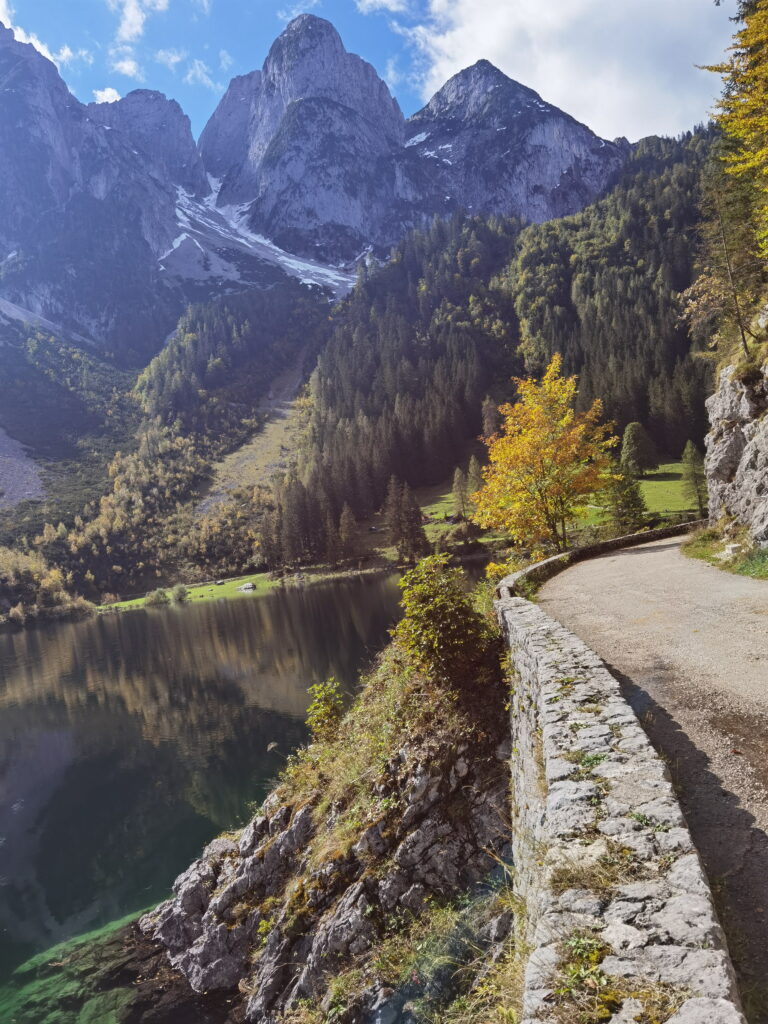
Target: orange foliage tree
(544,463)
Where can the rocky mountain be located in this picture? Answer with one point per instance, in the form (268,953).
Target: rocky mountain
(737,450)
(488,144)
(317,155)
(113,219)
(160,130)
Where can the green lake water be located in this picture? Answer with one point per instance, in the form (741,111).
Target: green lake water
(128,741)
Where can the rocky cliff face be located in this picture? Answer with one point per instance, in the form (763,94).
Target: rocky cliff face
(255,917)
(81,219)
(317,152)
(737,450)
(160,131)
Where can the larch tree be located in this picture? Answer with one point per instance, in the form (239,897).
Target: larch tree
(545,461)
(460,492)
(743,114)
(695,478)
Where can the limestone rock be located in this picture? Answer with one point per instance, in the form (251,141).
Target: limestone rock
(737,451)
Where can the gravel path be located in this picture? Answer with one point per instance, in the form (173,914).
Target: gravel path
(690,645)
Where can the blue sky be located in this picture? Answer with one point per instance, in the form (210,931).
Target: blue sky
(625,67)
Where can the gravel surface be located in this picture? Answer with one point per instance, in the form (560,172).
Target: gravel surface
(19,476)
(690,645)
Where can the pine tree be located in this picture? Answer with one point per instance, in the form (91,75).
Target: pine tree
(459,492)
(393,510)
(347,532)
(413,540)
(333,542)
(638,452)
(626,509)
(694,478)
(491,418)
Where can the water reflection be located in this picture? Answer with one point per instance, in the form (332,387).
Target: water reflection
(127,741)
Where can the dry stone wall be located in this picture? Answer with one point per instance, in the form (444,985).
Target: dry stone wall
(601,848)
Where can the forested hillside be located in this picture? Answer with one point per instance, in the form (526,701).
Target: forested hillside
(462,307)
(414,350)
(411,365)
(224,354)
(603,288)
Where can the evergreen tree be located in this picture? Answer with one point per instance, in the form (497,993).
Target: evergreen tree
(347,532)
(393,510)
(459,492)
(334,546)
(413,540)
(694,478)
(626,509)
(491,418)
(638,452)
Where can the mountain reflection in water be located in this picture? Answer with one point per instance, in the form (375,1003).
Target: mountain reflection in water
(129,740)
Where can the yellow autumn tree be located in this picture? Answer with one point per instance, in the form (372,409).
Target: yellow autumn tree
(544,463)
(743,114)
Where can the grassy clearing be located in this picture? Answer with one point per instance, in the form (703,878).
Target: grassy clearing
(663,490)
(709,545)
(226,590)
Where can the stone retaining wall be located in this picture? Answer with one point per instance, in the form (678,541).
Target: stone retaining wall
(601,848)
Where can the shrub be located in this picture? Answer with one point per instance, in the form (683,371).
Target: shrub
(157,598)
(180,593)
(17,615)
(326,710)
(441,632)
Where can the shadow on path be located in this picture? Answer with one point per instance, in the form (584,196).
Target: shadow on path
(733,850)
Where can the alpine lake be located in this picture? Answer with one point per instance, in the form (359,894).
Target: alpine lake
(128,741)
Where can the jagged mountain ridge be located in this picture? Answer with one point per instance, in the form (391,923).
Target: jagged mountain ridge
(114,219)
(320,158)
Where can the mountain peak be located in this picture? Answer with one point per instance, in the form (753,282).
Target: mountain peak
(304,39)
(470,93)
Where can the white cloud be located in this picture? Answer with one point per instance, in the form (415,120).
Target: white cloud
(198,73)
(393,6)
(205,6)
(302,7)
(108,95)
(65,55)
(124,63)
(226,60)
(392,74)
(625,68)
(133,15)
(170,58)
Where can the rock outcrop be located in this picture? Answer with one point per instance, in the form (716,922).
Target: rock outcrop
(257,914)
(737,450)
